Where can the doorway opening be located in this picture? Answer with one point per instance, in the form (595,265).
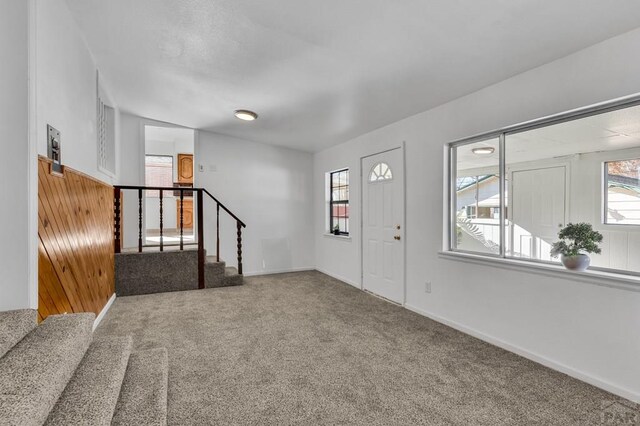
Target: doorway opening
(168,162)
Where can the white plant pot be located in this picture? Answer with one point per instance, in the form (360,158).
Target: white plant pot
(579,262)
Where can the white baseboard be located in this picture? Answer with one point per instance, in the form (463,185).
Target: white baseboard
(104,311)
(277,271)
(338,277)
(569,371)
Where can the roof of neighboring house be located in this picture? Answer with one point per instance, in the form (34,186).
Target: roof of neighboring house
(472,181)
(624,182)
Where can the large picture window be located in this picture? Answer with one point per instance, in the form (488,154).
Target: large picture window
(339,202)
(512,191)
(477,209)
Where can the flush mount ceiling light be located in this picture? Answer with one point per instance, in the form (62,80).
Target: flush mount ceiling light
(485,150)
(245,114)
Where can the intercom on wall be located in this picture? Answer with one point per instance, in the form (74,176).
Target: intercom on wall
(53,148)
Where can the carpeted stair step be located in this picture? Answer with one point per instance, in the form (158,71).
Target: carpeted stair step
(212,262)
(91,396)
(231,277)
(214,272)
(34,373)
(143,396)
(14,325)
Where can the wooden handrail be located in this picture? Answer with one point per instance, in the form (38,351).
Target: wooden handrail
(156,188)
(180,222)
(224,207)
(181,189)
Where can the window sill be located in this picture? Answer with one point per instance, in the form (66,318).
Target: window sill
(601,278)
(339,237)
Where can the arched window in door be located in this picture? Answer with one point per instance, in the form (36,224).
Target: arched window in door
(380,172)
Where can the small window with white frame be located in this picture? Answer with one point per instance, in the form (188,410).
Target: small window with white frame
(158,172)
(339,202)
(622,192)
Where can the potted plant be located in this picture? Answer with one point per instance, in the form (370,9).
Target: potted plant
(336,230)
(576,240)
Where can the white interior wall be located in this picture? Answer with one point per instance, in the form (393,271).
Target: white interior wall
(577,326)
(15,171)
(267,187)
(66,89)
(50,79)
(130,160)
(270,189)
(49,76)
(621,243)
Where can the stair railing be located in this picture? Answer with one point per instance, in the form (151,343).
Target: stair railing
(184,192)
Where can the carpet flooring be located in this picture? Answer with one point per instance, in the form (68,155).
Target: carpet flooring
(304,348)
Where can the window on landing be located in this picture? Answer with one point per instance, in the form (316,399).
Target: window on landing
(158,172)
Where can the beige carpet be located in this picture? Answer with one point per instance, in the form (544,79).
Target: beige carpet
(303,348)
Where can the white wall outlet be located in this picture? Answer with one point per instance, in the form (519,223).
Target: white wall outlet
(427,287)
(201,168)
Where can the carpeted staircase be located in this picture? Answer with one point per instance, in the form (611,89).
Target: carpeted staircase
(218,274)
(55,373)
(161,272)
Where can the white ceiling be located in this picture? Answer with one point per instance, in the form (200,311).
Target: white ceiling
(168,134)
(611,131)
(322,72)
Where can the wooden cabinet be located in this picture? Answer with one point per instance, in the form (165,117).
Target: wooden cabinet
(185,168)
(187,211)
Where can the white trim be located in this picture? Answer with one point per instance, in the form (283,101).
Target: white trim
(277,271)
(338,237)
(104,311)
(32,157)
(601,278)
(339,278)
(577,374)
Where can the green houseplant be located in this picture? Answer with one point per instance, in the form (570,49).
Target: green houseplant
(576,241)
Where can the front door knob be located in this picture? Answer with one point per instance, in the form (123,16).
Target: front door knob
(397,237)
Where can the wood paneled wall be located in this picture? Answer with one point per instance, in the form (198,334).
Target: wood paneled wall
(75,255)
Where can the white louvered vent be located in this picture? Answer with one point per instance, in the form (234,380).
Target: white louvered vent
(106,130)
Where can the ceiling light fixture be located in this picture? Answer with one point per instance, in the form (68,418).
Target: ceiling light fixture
(485,150)
(245,114)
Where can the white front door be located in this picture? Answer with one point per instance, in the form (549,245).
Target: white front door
(383,224)
(536,210)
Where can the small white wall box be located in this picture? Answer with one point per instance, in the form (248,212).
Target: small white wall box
(53,148)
